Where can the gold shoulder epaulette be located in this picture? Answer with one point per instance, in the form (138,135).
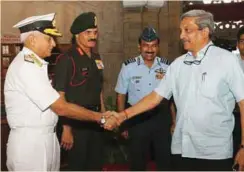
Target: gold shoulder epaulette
(37,61)
(31,58)
(28,58)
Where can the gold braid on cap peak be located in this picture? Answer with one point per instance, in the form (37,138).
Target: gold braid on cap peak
(53,32)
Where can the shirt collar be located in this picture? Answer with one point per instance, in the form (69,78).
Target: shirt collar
(29,51)
(239,57)
(81,52)
(200,54)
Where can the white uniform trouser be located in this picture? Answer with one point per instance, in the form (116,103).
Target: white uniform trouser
(33,149)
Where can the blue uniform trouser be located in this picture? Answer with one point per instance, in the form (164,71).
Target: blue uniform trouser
(150,129)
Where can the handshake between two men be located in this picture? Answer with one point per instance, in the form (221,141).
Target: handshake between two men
(112,119)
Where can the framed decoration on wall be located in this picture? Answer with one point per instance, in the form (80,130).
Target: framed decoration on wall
(17,49)
(5,49)
(6,62)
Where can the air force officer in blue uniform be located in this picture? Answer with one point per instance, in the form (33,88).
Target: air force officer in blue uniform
(138,77)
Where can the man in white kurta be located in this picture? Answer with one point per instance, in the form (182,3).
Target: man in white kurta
(205,98)
(205,83)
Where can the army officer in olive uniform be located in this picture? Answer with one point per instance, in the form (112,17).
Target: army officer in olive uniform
(79,78)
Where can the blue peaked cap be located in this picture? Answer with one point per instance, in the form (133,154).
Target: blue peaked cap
(149,34)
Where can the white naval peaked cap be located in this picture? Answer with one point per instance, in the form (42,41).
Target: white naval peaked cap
(43,23)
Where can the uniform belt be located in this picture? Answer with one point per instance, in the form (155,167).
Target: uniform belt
(96,108)
(40,130)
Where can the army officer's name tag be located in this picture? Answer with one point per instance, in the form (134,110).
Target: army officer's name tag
(99,64)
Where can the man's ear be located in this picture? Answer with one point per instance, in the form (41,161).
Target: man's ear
(139,47)
(76,37)
(206,31)
(32,40)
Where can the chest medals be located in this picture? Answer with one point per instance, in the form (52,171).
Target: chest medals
(160,73)
(99,64)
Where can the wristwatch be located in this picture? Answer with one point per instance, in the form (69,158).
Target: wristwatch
(102,120)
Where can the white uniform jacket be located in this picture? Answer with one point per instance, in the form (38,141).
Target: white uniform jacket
(32,143)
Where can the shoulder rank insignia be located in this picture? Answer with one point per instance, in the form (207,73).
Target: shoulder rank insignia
(31,58)
(28,58)
(128,61)
(164,60)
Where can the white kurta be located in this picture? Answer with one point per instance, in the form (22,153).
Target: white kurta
(32,143)
(205,97)
(241,61)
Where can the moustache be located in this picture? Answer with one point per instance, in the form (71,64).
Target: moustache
(149,52)
(92,40)
(183,41)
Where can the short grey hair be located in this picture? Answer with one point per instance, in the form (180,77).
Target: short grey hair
(203,19)
(25,36)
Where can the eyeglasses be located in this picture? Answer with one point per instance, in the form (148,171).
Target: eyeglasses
(196,62)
